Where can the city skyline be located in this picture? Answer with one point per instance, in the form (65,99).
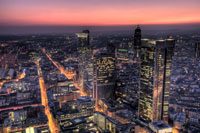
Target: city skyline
(100,82)
(99,66)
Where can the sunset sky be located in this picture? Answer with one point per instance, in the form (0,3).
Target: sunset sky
(98,12)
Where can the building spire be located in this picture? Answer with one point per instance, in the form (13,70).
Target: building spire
(137,40)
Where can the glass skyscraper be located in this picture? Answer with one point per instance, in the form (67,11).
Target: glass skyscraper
(85,58)
(197,49)
(156,57)
(104,73)
(137,40)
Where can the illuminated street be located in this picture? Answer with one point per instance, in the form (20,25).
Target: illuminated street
(68,74)
(21,76)
(52,122)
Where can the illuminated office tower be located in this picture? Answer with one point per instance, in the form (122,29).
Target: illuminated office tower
(156,58)
(122,61)
(127,74)
(121,53)
(104,71)
(85,58)
(137,40)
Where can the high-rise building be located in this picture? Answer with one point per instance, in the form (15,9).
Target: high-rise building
(156,58)
(127,74)
(122,61)
(104,70)
(137,40)
(85,58)
(197,50)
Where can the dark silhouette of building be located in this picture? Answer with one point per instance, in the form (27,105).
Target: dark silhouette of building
(197,50)
(137,40)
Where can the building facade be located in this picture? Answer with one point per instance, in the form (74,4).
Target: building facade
(197,49)
(137,40)
(156,58)
(85,58)
(104,73)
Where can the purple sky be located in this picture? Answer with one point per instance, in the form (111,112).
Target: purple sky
(98,12)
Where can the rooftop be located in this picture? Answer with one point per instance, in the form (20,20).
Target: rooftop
(159,125)
(84,98)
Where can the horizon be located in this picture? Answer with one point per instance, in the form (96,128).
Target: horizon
(61,16)
(58,29)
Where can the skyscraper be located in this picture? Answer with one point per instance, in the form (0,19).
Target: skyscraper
(127,74)
(85,58)
(104,70)
(137,40)
(156,58)
(197,49)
